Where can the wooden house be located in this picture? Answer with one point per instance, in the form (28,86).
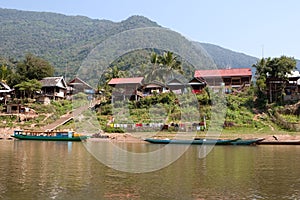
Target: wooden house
(54,87)
(154,87)
(197,84)
(126,88)
(292,89)
(177,86)
(229,78)
(77,85)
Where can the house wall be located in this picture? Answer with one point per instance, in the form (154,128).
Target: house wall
(125,91)
(54,92)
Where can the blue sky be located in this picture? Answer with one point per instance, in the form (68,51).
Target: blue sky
(254,27)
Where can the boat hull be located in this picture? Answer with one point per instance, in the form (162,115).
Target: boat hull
(291,142)
(247,142)
(194,142)
(48,138)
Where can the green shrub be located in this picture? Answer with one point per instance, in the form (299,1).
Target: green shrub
(109,129)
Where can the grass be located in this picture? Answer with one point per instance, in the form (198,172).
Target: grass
(291,118)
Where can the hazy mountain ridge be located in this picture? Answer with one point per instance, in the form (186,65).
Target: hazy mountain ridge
(225,58)
(66,40)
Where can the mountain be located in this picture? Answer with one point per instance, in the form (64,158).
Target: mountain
(225,58)
(66,41)
(63,40)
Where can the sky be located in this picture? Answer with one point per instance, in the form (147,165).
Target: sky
(268,28)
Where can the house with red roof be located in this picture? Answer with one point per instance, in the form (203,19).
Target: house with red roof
(126,88)
(230,78)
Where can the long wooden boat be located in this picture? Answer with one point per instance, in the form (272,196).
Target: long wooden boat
(247,141)
(48,136)
(195,141)
(287,142)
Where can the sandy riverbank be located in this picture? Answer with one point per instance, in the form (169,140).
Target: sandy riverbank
(5,133)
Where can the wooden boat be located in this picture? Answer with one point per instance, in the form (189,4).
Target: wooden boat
(286,142)
(48,136)
(247,142)
(195,141)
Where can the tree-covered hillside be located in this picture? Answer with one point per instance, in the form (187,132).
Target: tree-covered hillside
(65,41)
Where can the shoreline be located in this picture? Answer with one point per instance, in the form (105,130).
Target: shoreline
(5,134)
(136,138)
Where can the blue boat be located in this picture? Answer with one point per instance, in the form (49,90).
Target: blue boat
(48,136)
(194,141)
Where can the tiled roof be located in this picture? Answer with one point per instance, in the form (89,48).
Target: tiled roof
(135,80)
(223,72)
(53,81)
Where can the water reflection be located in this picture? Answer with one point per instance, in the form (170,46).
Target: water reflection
(59,170)
(135,158)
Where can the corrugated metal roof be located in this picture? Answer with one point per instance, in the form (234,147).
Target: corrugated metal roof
(223,72)
(134,80)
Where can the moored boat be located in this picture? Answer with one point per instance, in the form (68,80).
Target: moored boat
(194,141)
(283,142)
(48,136)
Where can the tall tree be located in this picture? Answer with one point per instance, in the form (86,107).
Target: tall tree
(33,67)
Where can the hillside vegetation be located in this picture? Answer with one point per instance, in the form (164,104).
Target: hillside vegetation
(65,41)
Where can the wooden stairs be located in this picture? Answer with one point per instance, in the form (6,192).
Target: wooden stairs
(67,117)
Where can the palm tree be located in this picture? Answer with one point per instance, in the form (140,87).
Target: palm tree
(156,72)
(164,66)
(113,72)
(171,63)
(29,87)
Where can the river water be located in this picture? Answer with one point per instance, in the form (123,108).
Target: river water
(65,170)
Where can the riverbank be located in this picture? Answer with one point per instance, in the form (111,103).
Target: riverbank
(282,136)
(138,137)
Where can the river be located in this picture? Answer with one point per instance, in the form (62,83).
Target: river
(65,170)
